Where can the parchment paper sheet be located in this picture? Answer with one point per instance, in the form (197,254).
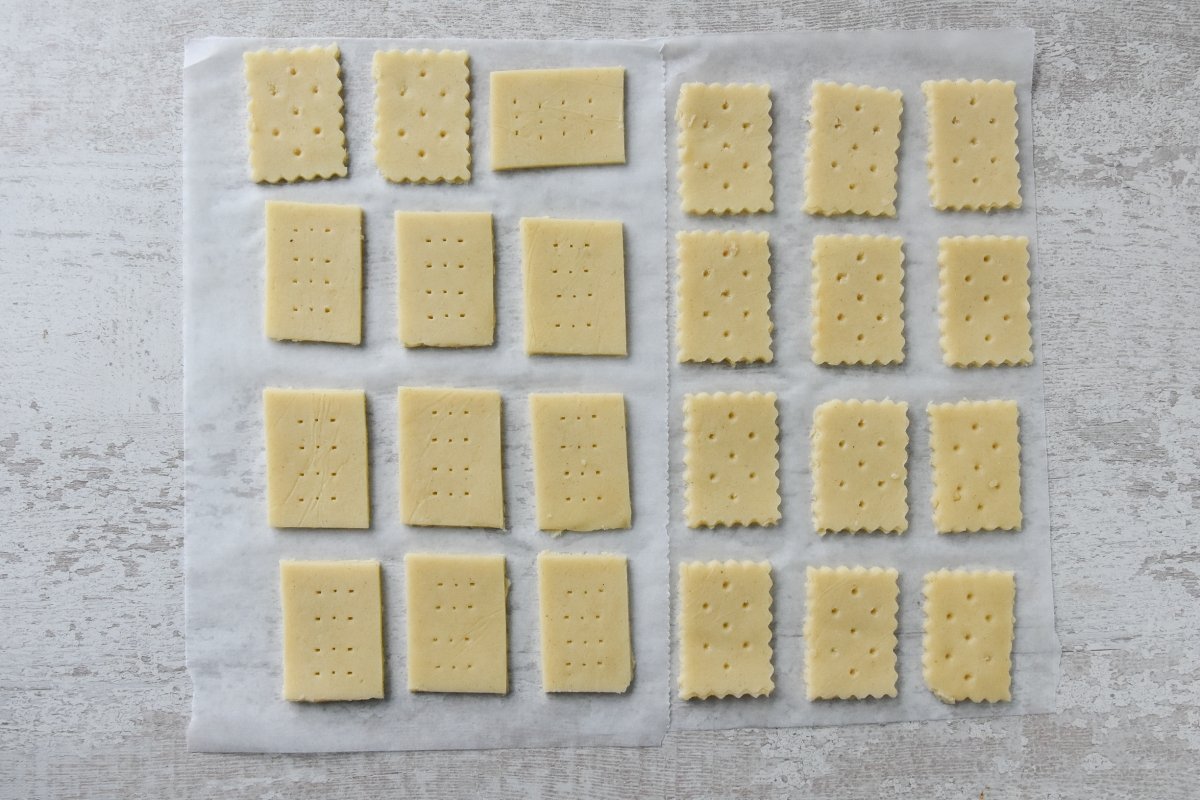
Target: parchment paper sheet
(789,63)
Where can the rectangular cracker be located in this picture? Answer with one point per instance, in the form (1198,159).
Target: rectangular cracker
(295,108)
(317,458)
(853,136)
(422,115)
(969,622)
(584,602)
(725,629)
(580,461)
(314,272)
(446,273)
(450,458)
(972,145)
(332,630)
(574,286)
(725,148)
(457,607)
(984,300)
(850,632)
(724,295)
(558,117)
(732,465)
(858,300)
(859,452)
(976,466)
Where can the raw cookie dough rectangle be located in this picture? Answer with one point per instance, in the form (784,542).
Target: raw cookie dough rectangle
(857,300)
(725,148)
(422,115)
(850,632)
(972,145)
(976,466)
(984,300)
(724,296)
(969,621)
(557,117)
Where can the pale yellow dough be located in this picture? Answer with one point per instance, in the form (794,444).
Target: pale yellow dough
(450,458)
(574,286)
(457,607)
(446,272)
(853,136)
(725,629)
(580,461)
(558,117)
(314,272)
(295,114)
(976,466)
(984,300)
(332,630)
(724,148)
(584,601)
(850,632)
(317,458)
(969,620)
(857,300)
(972,145)
(859,452)
(731,466)
(724,296)
(422,115)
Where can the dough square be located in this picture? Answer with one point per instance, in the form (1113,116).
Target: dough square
(332,630)
(859,452)
(446,279)
(850,632)
(984,300)
(972,145)
(422,115)
(976,466)
(457,609)
(574,286)
(580,461)
(725,629)
(724,295)
(314,272)
(558,117)
(732,465)
(725,148)
(584,601)
(969,620)
(295,114)
(857,301)
(853,136)
(450,459)
(317,458)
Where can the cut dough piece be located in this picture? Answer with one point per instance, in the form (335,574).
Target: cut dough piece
(725,148)
(574,286)
(857,302)
(580,463)
(314,272)
(457,623)
(558,117)
(859,451)
(295,114)
(976,466)
(853,136)
(984,300)
(969,620)
(725,629)
(422,115)
(450,461)
(724,296)
(446,274)
(317,458)
(972,145)
(584,602)
(850,633)
(731,467)
(332,630)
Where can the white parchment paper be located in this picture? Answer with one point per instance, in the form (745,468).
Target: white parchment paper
(789,63)
(232,555)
